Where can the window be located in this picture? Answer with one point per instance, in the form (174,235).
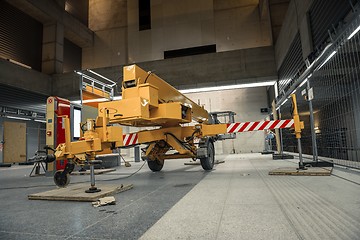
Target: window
(76,123)
(144,15)
(190,51)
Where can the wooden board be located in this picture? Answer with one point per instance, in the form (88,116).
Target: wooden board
(198,162)
(311,171)
(77,192)
(97,171)
(15,142)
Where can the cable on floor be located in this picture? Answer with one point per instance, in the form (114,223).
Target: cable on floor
(51,185)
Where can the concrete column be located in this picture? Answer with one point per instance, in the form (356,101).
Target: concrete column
(265,19)
(53,48)
(306,36)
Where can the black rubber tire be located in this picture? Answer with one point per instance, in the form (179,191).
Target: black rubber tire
(155,165)
(207,163)
(61,180)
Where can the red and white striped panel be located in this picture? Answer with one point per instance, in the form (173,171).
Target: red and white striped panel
(130,139)
(257,126)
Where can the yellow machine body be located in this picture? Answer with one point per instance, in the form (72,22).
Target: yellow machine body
(147,100)
(95,140)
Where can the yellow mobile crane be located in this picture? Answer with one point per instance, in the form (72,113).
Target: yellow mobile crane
(147,100)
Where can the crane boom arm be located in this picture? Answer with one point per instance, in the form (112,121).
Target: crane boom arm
(166,92)
(147,100)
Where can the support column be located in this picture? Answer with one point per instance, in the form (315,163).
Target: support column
(277,132)
(312,124)
(53,48)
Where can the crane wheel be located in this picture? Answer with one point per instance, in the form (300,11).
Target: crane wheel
(61,179)
(155,165)
(207,162)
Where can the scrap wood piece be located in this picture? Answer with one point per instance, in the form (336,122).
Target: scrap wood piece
(104,201)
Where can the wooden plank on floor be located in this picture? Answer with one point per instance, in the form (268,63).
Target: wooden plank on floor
(311,171)
(198,162)
(97,171)
(76,192)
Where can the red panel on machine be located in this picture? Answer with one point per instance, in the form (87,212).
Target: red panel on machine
(62,108)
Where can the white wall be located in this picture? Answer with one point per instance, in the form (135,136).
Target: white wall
(246,103)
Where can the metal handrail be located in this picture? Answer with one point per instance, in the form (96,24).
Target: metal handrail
(87,80)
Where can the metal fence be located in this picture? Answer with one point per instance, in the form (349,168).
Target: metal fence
(336,105)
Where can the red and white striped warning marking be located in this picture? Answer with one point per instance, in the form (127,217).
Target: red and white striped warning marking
(130,139)
(257,126)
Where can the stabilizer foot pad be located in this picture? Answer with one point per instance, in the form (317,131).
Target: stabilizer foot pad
(310,171)
(282,156)
(76,192)
(93,190)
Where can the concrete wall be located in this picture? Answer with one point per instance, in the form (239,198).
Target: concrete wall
(239,25)
(175,25)
(231,25)
(295,20)
(246,103)
(187,23)
(23,78)
(108,20)
(278,9)
(66,85)
(214,69)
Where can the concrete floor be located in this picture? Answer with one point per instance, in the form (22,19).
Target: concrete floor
(237,200)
